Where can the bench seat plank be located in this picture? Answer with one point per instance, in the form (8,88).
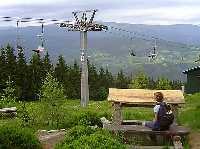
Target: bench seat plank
(137,129)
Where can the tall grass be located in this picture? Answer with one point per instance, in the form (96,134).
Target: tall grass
(190,113)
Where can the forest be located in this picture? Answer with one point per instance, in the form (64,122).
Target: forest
(26,77)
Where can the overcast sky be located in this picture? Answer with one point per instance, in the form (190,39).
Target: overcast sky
(124,11)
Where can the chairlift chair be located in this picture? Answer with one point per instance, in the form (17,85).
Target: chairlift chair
(41,38)
(198,60)
(132,53)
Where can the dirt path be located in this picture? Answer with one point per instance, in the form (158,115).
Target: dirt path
(49,140)
(194,140)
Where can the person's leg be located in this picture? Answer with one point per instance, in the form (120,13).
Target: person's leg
(152,137)
(149,124)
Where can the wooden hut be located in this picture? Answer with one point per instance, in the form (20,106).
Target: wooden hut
(193,80)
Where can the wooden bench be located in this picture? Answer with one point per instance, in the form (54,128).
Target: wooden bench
(144,98)
(12,111)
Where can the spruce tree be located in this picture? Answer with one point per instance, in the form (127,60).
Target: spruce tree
(10,62)
(163,84)
(74,81)
(60,69)
(121,81)
(93,81)
(141,81)
(35,75)
(22,81)
(47,66)
(3,73)
(109,79)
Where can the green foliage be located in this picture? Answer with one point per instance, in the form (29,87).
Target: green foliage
(163,84)
(87,137)
(87,118)
(22,83)
(3,74)
(28,77)
(47,66)
(51,95)
(102,93)
(51,89)
(15,137)
(141,81)
(138,114)
(189,115)
(10,62)
(24,115)
(8,97)
(121,81)
(76,132)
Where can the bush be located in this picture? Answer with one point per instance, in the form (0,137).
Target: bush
(15,137)
(86,118)
(51,90)
(102,93)
(189,115)
(8,97)
(90,138)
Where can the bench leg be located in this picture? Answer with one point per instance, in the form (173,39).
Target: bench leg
(175,111)
(177,142)
(117,115)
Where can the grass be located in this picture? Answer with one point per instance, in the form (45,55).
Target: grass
(42,116)
(68,114)
(189,114)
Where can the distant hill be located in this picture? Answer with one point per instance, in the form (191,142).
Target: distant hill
(176,52)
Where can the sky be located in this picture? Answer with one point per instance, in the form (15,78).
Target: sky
(154,12)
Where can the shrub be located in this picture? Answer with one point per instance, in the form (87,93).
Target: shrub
(8,97)
(102,93)
(86,118)
(52,94)
(51,89)
(78,131)
(15,137)
(89,138)
(141,81)
(189,115)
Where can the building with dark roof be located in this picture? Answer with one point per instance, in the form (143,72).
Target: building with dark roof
(193,80)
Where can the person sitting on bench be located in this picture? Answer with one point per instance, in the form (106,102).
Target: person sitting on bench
(163,114)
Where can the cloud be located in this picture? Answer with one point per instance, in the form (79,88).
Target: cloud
(129,11)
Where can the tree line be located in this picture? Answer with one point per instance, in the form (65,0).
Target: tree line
(27,77)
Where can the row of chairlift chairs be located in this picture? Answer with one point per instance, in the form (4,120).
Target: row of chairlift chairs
(40,36)
(152,52)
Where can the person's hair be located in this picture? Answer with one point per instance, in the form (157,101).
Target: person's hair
(158,96)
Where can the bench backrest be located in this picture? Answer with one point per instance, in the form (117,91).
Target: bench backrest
(144,96)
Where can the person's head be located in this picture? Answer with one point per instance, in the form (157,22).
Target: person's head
(158,96)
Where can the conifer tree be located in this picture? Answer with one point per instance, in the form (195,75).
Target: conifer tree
(9,94)
(52,93)
(74,81)
(35,75)
(121,80)
(163,84)
(51,90)
(47,66)
(141,81)
(109,78)
(3,75)
(10,62)
(93,80)
(22,76)
(60,69)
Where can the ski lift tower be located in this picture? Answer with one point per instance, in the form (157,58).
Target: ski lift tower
(84,23)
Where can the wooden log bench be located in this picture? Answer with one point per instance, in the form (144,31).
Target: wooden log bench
(12,111)
(144,98)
